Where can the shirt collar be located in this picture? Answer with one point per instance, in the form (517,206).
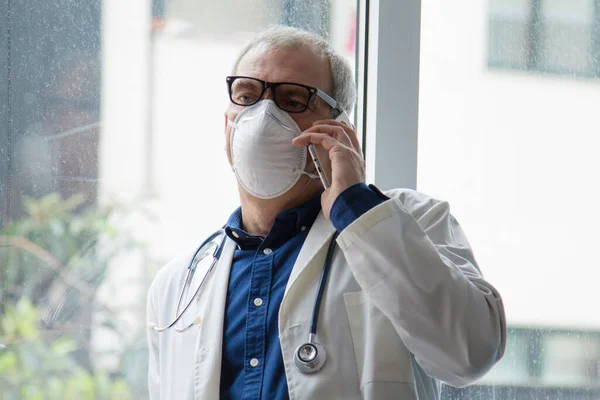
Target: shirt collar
(292,221)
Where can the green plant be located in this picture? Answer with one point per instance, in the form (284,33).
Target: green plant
(34,369)
(53,244)
(52,262)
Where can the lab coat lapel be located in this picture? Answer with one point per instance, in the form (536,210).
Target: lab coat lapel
(319,236)
(207,368)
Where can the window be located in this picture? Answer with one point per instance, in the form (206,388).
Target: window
(551,36)
(561,364)
(111,121)
(111,126)
(511,152)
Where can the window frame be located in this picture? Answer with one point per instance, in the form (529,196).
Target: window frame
(388,92)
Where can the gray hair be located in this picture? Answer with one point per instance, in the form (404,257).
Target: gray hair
(285,38)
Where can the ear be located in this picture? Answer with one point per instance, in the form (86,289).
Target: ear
(226,119)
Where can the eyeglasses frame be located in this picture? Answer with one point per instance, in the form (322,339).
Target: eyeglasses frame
(334,104)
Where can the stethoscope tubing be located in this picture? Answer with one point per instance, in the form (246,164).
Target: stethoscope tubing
(322,285)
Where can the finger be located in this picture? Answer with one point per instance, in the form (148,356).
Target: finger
(321,139)
(332,122)
(336,131)
(350,131)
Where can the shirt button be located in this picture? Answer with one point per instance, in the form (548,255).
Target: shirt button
(267,251)
(303,228)
(235,234)
(254,363)
(258,302)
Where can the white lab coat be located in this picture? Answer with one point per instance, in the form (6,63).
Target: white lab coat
(405,308)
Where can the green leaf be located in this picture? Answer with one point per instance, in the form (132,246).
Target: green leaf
(56,227)
(32,392)
(8,327)
(103,386)
(80,387)
(27,316)
(8,361)
(74,201)
(63,347)
(55,389)
(120,391)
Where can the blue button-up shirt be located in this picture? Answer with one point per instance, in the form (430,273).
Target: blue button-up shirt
(252,365)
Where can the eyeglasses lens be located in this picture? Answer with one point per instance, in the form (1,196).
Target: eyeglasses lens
(288,96)
(245,92)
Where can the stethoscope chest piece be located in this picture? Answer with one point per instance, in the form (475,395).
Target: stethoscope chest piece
(310,357)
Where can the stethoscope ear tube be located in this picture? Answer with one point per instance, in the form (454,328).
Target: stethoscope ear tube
(190,271)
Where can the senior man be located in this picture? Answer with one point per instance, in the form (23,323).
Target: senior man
(341,292)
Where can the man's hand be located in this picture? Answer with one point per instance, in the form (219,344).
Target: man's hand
(347,164)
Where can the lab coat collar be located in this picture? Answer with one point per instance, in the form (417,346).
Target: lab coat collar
(318,237)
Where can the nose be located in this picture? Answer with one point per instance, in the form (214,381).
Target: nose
(268,94)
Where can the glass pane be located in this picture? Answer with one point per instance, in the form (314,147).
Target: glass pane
(507,37)
(111,163)
(552,36)
(566,36)
(571,360)
(515,156)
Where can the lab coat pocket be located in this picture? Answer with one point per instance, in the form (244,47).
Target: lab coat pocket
(380,353)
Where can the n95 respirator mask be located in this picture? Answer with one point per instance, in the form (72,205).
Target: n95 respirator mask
(264,161)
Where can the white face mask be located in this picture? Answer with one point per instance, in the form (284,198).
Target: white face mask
(265,162)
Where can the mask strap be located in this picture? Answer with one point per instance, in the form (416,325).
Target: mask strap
(232,123)
(311,176)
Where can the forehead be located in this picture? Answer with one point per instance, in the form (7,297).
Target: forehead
(298,65)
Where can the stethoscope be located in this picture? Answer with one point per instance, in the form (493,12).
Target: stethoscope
(203,251)
(308,357)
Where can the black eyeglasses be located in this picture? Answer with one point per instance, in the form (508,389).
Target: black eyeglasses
(290,97)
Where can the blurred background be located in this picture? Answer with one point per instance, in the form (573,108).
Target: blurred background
(112,162)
